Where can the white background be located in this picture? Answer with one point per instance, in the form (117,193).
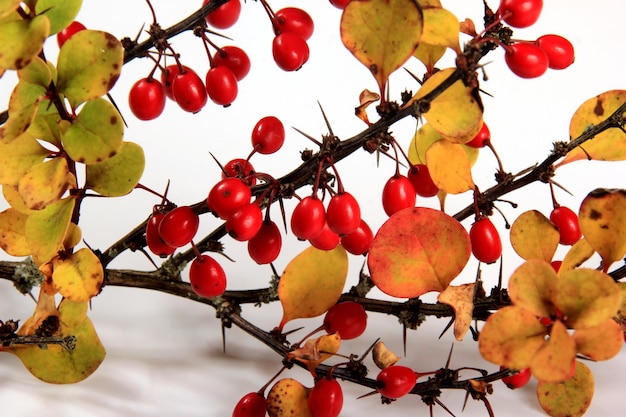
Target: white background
(164,354)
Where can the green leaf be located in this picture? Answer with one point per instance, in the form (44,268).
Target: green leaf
(46,230)
(48,126)
(119,175)
(533,236)
(60,12)
(37,72)
(532,287)
(381,34)
(13,233)
(45,183)
(312,283)
(89,64)
(78,277)
(418,250)
(18,157)
(21,40)
(96,134)
(449,167)
(8,6)
(569,398)
(23,105)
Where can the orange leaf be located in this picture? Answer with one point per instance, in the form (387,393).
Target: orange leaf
(601,342)
(553,361)
(532,287)
(461,299)
(316,351)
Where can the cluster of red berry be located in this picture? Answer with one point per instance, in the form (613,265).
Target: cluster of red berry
(401,191)
(292,28)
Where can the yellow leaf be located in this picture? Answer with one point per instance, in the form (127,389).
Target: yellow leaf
(288,398)
(18,157)
(569,398)
(21,40)
(602,220)
(79,277)
(13,233)
(533,236)
(461,299)
(429,55)
(601,342)
(381,34)
(316,351)
(578,253)
(46,230)
(532,287)
(423,138)
(553,361)
(312,283)
(23,105)
(441,28)
(449,167)
(45,183)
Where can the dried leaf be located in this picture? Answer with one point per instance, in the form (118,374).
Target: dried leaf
(383,357)
(316,351)
(461,299)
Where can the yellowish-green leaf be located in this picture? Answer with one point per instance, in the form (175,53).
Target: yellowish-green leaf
(533,236)
(449,167)
(46,230)
(569,398)
(72,313)
(23,105)
(425,136)
(578,253)
(18,157)
(89,64)
(72,237)
(609,145)
(13,198)
(8,6)
(511,337)
(45,183)
(79,277)
(586,297)
(37,72)
(441,28)
(96,134)
(602,220)
(13,233)
(601,342)
(312,283)
(553,361)
(118,175)
(429,55)
(60,12)
(21,40)
(381,34)
(418,250)
(532,286)
(48,125)
(461,299)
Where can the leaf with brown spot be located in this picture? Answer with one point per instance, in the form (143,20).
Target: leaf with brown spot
(13,233)
(461,299)
(288,398)
(46,230)
(117,176)
(21,40)
(569,398)
(79,277)
(23,105)
(46,183)
(553,360)
(534,236)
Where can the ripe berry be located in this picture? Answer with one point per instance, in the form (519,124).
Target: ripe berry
(153,239)
(146,99)
(340,4)
(68,32)
(265,246)
(225,15)
(343,214)
(308,218)
(422,181)
(520,13)
(207,277)
(556,265)
(482,138)
(252,404)
(221,85)
(290,51)
(560,51)
(233,58)
(228,195)
(189,91)
(517,380)
(485,240)
(359,241)
(526,60)
(268,135)
(395,381)
(179,226)
(325,398)
(240,168)
(347,318)
(398,193)
(167,78)
(326,239)
(294,20)
(245,222)
(566,221)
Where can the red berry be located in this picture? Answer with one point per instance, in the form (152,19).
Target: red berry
(566,221)
(325,398)
(308,218)
(268,135)
(207,277)
(347,318)
(517,380)
(556,265)
(343,214)
(189,91)
(359,241)
(482,138)
(146,99)
(265,246)
(227,196)
(560,51)
(326,239)
(294,20)
(398,193)
(340,4)
(153,239)
(252,404)
(245,222)
(395,381)
(167,78)
(179,226)
(221,85)
(526,60)
(290,51)
(68,32)
(485,240)
(233,58)
(240,168)
(422,181)
(225,15)
(520,13)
